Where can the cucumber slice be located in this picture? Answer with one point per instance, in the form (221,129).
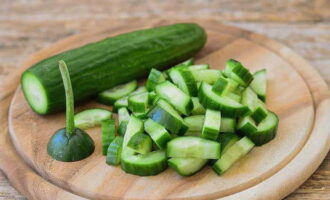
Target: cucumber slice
(224,85)
(109,96)
(228,125)
(227,140)
(188,62)
(199,67)
(198,109)
(238,72)
(141,115)
(123,115)
(157,133)
(193,147)
(212,122)
(139,102)
(232,155)
(259,84)
(122,128)
(187,166)
(209,76)
(134,126)
(183,78)
(91,117)
(234,97)
(120,103)
(257,108)
(114,151)
(246,125)
(154,78)
(152,97)
(108,134)
(140,143)
(165,115)
(227,106)
(195,123)
(178,99)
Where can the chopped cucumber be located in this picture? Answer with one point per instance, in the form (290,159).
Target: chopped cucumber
(212,122)
(120,103)
(198,109)
(193,147)
(108,134)
(139,102)
(152,97)
(141,115)
(187,166)
(257,108)
(154,78)
(123,115)
(246,125)
(259,84)
(195,123)
(234,96)
(238,72)
(224,86)
(199,67)
(227,106)
(114,151)
(158,133)
(207,75)
(178,99)
(122,128)
(227,140)
(188,62)
(232,155)
(111,95)
(183,78)
(164,114)
(228,125)
(140,143)
(91,117)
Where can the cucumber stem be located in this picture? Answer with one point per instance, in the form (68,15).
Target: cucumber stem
(69,98)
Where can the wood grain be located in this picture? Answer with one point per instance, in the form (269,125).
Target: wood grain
(27,26)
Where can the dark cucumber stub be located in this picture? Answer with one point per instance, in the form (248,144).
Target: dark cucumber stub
(120,59)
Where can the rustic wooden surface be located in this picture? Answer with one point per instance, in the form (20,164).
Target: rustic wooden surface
(26,26)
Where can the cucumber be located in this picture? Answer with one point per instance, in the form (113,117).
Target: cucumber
(140,143)
(157,132)
(259,84)
(155,77)
(114,151)
(211,126)
(188,62)
(198,109)
(123,102)
(109,96)
(209,76)
(227,140)
(183,78)
(234,96)
(122,128)
(141,115)
(152,97)
(123,115)
(108,134)
(172,94)
(238,72)
(165,115)
(232,155)
(199,67)
(112,61)
(195,123)
(227,106)
(224,86)
(258,110)
(193,147)
(139,103)
(246,125)
(91,117)
(187,166)
(228,125)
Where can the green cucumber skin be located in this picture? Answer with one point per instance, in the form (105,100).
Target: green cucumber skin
(116,60)
(114,151)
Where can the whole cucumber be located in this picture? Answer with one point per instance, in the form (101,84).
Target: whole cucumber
(101,65)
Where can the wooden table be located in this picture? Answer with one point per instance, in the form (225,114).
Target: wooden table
(26,26)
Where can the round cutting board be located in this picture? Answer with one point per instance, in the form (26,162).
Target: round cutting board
(289,96)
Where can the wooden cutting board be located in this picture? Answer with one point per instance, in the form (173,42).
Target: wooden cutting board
(291,95)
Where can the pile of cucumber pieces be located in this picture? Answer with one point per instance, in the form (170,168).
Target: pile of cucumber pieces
(185,117)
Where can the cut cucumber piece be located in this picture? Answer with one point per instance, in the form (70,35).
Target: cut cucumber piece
(227,106)
(114,151)
(165,115)
(193,147)
(188,62)
(212,122)
(187,166)
(224,85)
(108,134)
(234,96)
(91,117)
(182,77)
(238,72)
(141,115)
(227,140)
(120,103)
(199,67)
(139,102)
(195,123)
(122,128)
(246,125)
(258,110)
(123,115)
(209,76)
(259,84)
(152,97)
(178,99)
(140,143)
(134,126)
(154,78)
(228,125)
(109,96)
(157,132)
(198,109)
(232,155)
